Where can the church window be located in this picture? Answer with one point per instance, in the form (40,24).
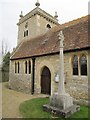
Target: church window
(26,30)
(29,67)
(26,67)
(15,67)
(83,65)
(25,33)
(18,67)
(48,26)
(75,65)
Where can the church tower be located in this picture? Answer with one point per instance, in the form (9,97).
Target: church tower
(34,23)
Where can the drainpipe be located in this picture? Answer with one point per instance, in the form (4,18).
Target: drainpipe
(33,75)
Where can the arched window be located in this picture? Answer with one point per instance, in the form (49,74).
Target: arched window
(18,67)
(75,65)
(26,67)
(25,33)
(29,67)
(83,65)
(15,67)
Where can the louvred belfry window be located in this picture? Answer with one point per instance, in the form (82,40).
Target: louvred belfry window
(25,33)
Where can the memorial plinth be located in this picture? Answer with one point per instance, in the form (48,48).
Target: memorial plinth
(61,103)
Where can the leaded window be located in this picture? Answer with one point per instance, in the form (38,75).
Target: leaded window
(26,67)
(15,67)
(29,67)
(75,65)
(83,65)
(18,67)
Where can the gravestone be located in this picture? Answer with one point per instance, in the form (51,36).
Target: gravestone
(61,103)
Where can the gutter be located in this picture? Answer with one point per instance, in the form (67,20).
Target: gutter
(33,76)
(53,53)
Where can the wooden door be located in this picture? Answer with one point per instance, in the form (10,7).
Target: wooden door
(46,81)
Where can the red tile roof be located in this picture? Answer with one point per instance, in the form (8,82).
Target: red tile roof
(75,33)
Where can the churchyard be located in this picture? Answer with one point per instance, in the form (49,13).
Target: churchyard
(19,105)
(33,109)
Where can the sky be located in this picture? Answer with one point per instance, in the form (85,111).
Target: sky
(10,10)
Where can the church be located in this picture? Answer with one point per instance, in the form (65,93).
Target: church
(34,64)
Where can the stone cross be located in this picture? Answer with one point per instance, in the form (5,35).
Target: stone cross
(61,102)
(61,89)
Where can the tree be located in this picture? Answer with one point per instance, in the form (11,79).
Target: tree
(5,67)
(6,60)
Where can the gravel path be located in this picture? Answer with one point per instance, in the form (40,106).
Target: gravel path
(11,100)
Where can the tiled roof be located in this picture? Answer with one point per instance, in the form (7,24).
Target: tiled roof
(75,34)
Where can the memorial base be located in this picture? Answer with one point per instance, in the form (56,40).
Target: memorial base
(60,112)
(61,105)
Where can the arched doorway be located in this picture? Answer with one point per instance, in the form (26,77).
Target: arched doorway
(46,81)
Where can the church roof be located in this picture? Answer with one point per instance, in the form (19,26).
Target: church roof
(75,34)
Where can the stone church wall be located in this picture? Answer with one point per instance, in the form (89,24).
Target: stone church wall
(31,26)
(52,63)
(36,25)
(19,81)
(76,86)
(89,74)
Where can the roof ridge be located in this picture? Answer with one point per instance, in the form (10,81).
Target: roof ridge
(70,23)
(77,20)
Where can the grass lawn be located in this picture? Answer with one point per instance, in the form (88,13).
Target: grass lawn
(33,109)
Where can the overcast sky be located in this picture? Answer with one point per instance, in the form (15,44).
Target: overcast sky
(10,10)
